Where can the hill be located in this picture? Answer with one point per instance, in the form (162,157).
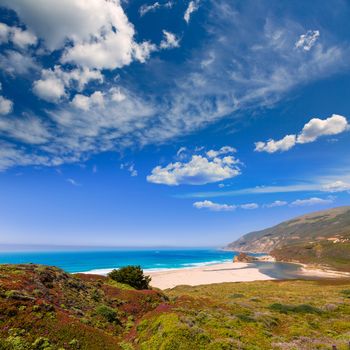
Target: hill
(44,308)
(321,237)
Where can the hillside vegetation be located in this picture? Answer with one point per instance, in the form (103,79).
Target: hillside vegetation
(44,308)
(320,238)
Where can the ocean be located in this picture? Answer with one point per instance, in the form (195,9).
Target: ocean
(103,261)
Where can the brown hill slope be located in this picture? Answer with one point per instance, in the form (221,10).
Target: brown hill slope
(44,308)
(322,237)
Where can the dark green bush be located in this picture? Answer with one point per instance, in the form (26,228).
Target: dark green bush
(346,292)
(108,313)
(303,308)
(131,275)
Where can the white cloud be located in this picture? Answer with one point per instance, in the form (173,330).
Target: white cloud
(192,7)
(17,63)
(276,203)
(117,95)
(98,31)
(85,103)
(26,128)
(223,150)
(144,9)
(6,106)
(206,204)
(249,206)
(130,167)
(14,156)
(23,38)
(73,182)
(213,206)
(4,32)
(81,102)
(272,146)
(180,151)
(19,37)
(311,131)
(337,186)
(316,128)
(49,89)
(53,83)
(199,170)
(255,67)
(311,201)
(143,51)
(170,41)
(307,41)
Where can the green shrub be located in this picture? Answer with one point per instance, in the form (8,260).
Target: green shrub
(41,343)
(303,308)
(107,312)
(131,275)
(346,292)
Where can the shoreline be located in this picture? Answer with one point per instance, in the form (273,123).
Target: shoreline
(104,272)
(212,272)
(234,272)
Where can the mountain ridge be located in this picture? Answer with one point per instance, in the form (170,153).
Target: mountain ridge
(321,237)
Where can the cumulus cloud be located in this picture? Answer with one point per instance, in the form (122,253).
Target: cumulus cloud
(99,31)
(144,9)
(316,128)
(311,201)
(213,206)
(170,41)
(337,186)
(272,146)
(255,67)
(18,36)
(86,102)
(17,63)
(53,83)
(199,170)
(193,6)
(307,41)
(311,131)
(221,151)
(6,105)
(49,89)
(117,94)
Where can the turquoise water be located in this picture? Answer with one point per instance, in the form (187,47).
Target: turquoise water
(104,261)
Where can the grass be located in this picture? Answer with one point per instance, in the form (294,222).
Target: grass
(45,308)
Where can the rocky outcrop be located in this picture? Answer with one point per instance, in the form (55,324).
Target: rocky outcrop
(243,257)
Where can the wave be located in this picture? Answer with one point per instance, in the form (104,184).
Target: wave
(106,271)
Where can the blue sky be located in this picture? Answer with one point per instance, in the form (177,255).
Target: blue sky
(170,123)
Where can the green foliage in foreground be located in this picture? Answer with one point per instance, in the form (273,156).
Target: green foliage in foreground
(43,308)
(131,275)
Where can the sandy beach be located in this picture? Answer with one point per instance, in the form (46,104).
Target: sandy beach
(218,273)
(227,272)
